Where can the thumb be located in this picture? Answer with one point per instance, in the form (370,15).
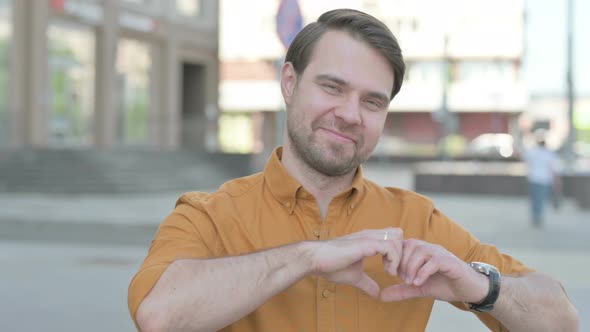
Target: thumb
(401,292)
(368,285)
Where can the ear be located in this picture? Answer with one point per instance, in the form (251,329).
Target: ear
(288,81)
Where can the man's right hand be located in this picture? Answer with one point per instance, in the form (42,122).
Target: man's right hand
(341,260)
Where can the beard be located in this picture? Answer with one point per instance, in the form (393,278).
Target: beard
(328,158)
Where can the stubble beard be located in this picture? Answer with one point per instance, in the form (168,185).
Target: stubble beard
(329,159)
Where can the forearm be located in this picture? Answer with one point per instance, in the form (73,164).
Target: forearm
(207,295)
(534,302)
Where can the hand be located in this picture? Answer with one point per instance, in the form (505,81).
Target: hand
(429,270)
(341,260)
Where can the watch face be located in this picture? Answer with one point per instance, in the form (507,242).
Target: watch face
(482,267)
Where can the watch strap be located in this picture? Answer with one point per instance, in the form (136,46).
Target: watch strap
(494,291)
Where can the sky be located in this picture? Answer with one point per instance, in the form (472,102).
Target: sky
(546,45)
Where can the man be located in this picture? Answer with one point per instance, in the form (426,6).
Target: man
(309,244)
(542,176)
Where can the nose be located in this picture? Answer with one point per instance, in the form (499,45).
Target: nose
(349,111)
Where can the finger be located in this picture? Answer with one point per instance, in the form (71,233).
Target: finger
(368,285)
(415,262)
(376,234)
(366,233)
(400,292)
(422,254)
(409,246)
(371,247)
(394,256)
(431,267)
(389,267)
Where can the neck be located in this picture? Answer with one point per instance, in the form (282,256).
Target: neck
(321,186)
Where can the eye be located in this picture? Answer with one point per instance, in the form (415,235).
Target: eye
(373,105)
(332,89)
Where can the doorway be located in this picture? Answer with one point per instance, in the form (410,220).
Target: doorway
(193,103)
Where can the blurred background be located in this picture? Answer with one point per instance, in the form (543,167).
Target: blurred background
(111,109)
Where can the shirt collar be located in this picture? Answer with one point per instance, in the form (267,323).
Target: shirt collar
(285,187)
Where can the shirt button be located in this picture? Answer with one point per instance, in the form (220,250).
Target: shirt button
(316,233)
(326,293)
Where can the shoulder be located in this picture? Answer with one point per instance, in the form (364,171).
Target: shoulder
(230,190)
(404,196)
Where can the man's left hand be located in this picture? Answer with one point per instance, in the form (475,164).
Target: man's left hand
(429,270)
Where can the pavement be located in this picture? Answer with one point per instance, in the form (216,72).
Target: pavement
(112,233)
(501,220)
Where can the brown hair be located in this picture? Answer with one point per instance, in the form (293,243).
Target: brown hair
(360,25)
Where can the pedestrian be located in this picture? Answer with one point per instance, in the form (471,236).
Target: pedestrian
(543,176)
(309,244)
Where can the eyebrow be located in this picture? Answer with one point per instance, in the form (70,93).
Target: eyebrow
(339,81)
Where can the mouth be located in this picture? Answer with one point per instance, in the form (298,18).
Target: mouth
(339,136)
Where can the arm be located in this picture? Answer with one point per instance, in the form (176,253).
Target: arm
(533,302)
(209,294)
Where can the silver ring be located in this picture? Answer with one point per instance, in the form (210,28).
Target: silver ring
(386,235)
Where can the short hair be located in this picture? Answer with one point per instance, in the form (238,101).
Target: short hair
(361,26)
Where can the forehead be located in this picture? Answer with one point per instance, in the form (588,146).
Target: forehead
(340,54)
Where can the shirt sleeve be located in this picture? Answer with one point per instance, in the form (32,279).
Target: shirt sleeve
(469,249)
(187,232)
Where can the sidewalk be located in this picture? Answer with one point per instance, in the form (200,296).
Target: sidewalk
(494,219)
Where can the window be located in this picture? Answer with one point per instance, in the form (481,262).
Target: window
(134,66)
(188,8)
(139,2)
(71,79)
(6,120)
(486,71)
(424,72)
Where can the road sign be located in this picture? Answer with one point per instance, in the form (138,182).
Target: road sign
(289,21)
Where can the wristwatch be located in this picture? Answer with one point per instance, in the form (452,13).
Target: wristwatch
(494,276)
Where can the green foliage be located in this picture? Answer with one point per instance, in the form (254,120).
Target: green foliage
(4,90)
(137,116)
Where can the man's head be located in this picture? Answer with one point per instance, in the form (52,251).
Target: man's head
(339,76)
(540,136)
(361,26)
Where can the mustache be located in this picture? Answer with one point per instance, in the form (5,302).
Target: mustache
(339,126)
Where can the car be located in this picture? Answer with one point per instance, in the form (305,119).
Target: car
(492,146)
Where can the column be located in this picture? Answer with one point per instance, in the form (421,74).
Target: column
(29,73)
(105,115)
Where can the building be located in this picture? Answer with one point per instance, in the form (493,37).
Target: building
(545,65)
(108,74)
(470,51)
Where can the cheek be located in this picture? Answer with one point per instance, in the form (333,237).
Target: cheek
(374,124)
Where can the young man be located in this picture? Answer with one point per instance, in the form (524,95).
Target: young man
(309,244)
(542,175)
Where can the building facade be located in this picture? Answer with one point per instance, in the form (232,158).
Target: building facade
(108,74)
(463,70)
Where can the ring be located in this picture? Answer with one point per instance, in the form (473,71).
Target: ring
(386,235)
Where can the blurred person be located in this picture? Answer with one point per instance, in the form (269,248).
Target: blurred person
(543,176)
(309,244)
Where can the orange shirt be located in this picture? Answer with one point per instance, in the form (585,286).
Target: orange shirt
(270,209)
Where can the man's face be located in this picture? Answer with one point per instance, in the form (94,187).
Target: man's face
(336,108)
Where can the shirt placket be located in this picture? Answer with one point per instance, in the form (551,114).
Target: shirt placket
(326,290)
(325,294)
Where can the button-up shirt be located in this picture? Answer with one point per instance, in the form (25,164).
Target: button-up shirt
(271,209)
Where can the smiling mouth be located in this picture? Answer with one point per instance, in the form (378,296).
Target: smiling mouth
(339,136)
